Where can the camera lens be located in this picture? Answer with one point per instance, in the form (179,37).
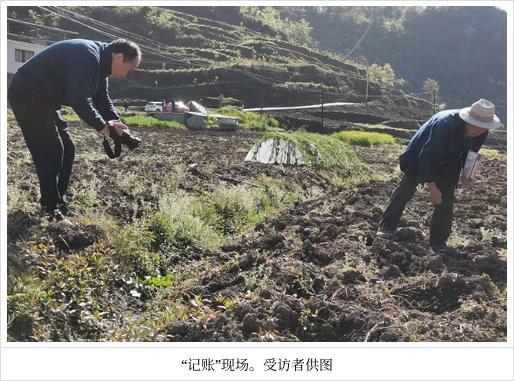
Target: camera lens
(130,141)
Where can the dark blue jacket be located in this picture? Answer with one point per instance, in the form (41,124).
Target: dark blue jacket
(439,144)
(73,73)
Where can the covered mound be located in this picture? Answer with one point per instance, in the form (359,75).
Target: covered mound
(275,151)
(304,148)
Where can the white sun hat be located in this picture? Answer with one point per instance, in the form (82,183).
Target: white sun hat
(481,114)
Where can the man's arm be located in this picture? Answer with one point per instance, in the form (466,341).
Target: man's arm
(103,103)
(434,149)
(81,73)
(430,155)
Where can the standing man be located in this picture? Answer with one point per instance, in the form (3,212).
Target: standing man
(435,156)
(75,73)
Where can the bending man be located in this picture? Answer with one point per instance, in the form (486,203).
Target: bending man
(435,156)
(75,73)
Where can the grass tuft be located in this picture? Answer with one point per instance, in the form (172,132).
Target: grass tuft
(206,221)
(250,120)
(130,120)
(493,154)
(363,138)
(176,229)
(149,121)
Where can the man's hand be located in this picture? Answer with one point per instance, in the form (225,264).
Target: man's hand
(118,126)
(435,194)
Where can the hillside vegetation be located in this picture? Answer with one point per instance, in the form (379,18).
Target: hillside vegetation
(256,62)
(440,43)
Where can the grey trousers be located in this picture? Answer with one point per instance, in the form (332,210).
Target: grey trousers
(442,216)
(50,144)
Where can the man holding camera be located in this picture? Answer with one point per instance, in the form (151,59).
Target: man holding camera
(75,73)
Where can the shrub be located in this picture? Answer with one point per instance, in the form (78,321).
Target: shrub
(177,226)
(383,75)
(230,210)
(207,220)
(363,138)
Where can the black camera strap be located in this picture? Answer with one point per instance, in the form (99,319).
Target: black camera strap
(117,144)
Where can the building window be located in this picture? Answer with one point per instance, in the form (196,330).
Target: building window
(22,55)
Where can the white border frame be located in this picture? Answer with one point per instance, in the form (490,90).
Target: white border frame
(411,357)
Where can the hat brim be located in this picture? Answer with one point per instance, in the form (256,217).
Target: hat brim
(464,114)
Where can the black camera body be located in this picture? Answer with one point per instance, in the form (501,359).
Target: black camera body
(131,141)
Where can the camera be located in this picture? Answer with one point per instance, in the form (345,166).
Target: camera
(130,140)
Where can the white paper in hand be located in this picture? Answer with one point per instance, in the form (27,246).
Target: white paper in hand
(471,165)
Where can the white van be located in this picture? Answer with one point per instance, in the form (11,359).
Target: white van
(153,107)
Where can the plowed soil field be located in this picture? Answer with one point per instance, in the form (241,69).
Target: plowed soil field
(310,271)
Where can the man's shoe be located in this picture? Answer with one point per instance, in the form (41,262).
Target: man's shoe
(66,210)
(384,234)
(440,249)
(56,216)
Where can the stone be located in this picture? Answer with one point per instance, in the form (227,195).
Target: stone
(195,121)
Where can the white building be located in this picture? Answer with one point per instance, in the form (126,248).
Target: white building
(18,52)
(20,47)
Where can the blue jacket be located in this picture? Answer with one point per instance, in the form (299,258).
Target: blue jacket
(439,144)
(74,73)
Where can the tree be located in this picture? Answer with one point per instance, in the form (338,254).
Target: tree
(390,19)
(431,86)
(297,31)
(384,75)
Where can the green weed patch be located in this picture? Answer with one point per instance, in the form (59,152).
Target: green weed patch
(130,120)
(250,120)
(149,121)
(208,220)
(363,138)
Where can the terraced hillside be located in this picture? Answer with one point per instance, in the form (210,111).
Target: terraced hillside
(401,121)
(187,56)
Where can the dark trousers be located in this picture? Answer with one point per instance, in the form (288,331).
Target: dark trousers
(48,141)
(442,216)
